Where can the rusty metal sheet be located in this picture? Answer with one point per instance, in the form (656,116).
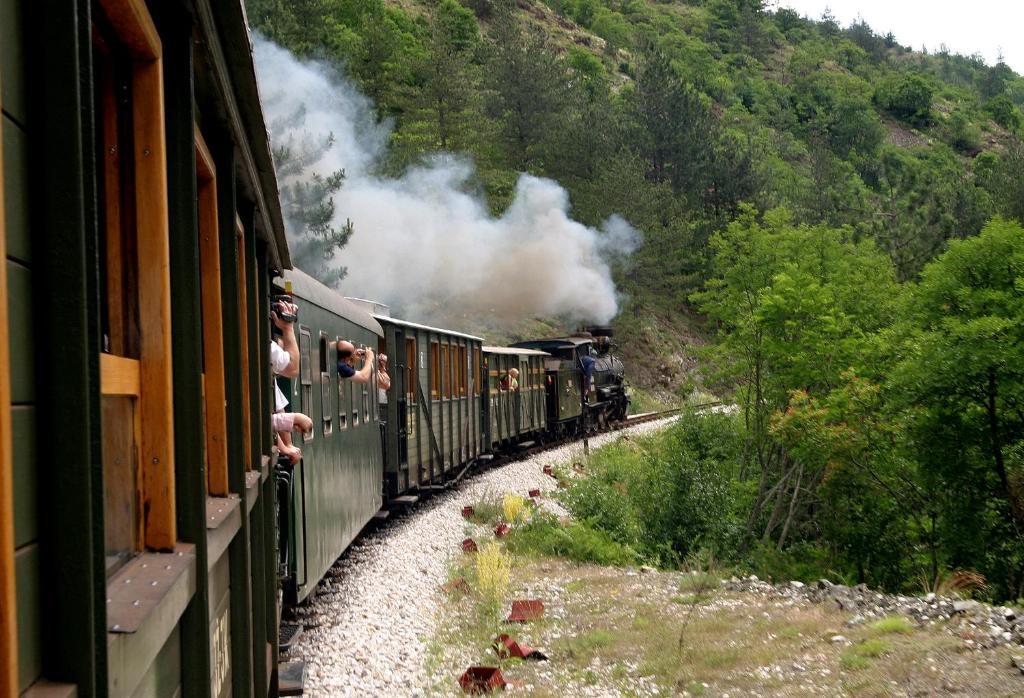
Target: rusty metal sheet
(482,679)
(534,493)
(469,546)
(506,647)
(548,470)
(501,530)
(139,586)
(467,512)
(524,610)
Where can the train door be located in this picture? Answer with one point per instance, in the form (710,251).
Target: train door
(523,410)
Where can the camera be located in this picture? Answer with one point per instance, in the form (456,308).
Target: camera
(278,306)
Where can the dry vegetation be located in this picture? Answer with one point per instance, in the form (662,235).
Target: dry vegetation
(611,631)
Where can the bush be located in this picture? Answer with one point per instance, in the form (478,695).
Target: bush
(907,97)
(577,541)
(1002,111)
(665,496)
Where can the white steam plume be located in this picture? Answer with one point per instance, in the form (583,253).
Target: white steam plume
(422,242)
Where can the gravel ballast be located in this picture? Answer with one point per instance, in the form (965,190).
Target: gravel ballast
(376,612)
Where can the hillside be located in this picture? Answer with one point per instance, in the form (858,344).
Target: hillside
(677,114)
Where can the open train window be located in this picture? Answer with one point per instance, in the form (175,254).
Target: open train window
(477,386)
(135,350)
(325,386)
(411,373)
(461,372)
(435,370)
(353,401)
(305,377)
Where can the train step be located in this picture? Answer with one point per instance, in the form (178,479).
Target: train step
(528,444)
(288,634)
(291,678)
(381,515)
(406,500)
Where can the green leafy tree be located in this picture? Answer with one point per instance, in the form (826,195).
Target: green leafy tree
(963,371)
(794,305)
(907,97)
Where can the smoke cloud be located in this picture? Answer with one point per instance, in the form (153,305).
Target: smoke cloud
(422,242)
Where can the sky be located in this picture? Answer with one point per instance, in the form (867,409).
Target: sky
(977,26)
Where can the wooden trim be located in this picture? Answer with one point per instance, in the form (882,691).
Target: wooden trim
(214,397)
(120,375)
(205,168)
(243,319)
(134,26)
(156,408)
(8,606)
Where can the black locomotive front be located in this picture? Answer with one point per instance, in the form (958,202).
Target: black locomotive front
(585,380)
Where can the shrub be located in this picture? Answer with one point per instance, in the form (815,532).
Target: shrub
(493,573)
(907,97)
(577,541)
(665,496)
(513,506)
(891,625)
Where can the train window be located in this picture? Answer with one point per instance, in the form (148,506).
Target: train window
(353,402)
(305,377)
(462,371)
(411,373)
(214,394)
(135,340)
(446,373)
(325,386)
(477,388)
(435,370)
(374,393)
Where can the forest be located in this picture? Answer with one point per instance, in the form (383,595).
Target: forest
(832,225)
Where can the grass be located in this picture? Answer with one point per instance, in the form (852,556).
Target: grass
(576,541)
(489,510)
(892,624)
(859,656)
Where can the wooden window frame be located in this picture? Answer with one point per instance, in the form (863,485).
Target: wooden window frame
(155,415)
(477,365)
(446,372)
(435,370)
(8,599)
(214,391)
(243,329)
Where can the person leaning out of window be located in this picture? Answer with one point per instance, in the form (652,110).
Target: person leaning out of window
(284,360)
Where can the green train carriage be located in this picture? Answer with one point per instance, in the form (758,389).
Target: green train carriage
(513,416)
(336,487)
(434,410)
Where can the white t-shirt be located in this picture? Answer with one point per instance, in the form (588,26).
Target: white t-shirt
(279,358)
(280,401)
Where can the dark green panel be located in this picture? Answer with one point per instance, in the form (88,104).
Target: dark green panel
(30,651)
(12,58)
(19,308)
(23,423)
(16,190)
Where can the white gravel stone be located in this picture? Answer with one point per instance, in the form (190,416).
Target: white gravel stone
(368,629)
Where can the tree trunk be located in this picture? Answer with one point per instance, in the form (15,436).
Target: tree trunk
(1012,496)
(792,508)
